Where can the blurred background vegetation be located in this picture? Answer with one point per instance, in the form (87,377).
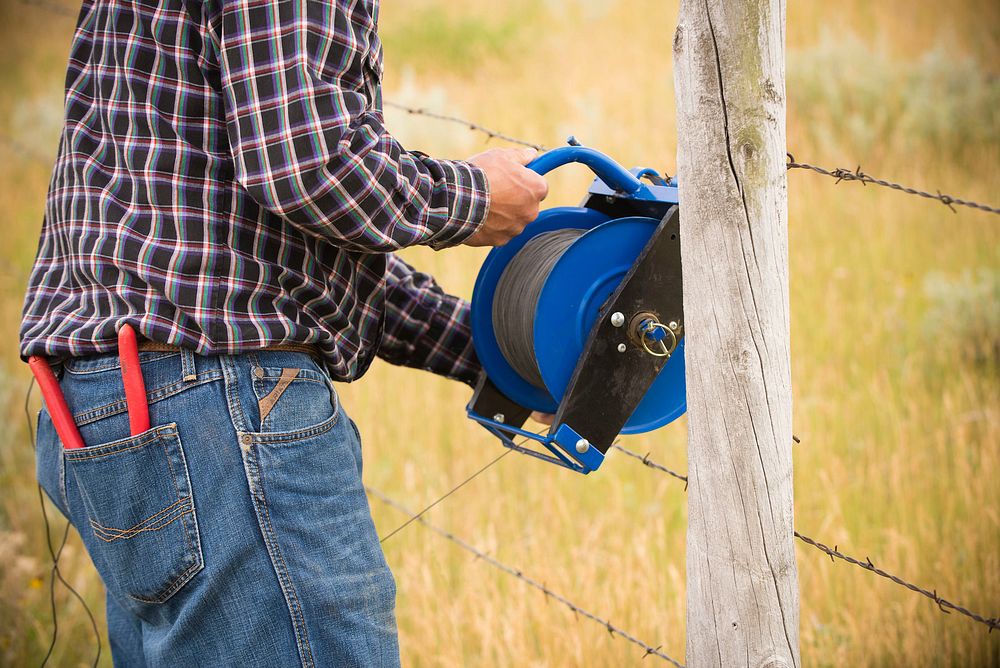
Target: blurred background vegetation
(895,344)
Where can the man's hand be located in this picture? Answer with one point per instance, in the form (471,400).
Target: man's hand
(543,418)
(515,193)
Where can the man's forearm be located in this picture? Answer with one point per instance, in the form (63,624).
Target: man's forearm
(309,146)
(426,328)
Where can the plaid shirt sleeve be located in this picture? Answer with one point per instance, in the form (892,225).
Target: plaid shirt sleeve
(425,327)
(309,145)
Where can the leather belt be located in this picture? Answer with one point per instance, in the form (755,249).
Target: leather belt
(156,347)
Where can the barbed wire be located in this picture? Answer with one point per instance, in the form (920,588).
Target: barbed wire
(991,622)
(475,127)
(943,604)
(649,650)
(842,174)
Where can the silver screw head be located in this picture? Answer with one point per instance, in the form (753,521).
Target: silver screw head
(582,445)
(617,318)
(499,417)
(621,347)
(672,325)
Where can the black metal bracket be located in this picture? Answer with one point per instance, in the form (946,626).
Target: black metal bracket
(607,385)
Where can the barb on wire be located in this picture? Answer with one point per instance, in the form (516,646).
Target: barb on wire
(475,127)
(842,174)
(651,464)
(943,604)
(650,650)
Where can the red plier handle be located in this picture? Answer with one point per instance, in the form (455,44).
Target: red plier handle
(135,386)
(135,392)
(62,418)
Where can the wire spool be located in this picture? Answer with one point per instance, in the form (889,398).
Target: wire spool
(515,301)
(537,298)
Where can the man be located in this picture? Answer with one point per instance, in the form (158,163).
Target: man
(225,186)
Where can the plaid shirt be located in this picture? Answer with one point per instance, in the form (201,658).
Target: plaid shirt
(225,182)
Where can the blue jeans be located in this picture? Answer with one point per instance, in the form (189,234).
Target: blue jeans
(236,531)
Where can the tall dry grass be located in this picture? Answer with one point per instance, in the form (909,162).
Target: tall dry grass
(895,312)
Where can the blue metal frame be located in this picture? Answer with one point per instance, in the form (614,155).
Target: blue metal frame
(561,445)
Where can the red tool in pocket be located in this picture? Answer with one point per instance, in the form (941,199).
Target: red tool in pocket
(135,391)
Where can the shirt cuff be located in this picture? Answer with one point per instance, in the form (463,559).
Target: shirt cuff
(468,197)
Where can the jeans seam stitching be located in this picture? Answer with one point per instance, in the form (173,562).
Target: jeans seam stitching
(177,491)
(284,578)
(158,525)
(137,527)
(154,396)
(114,364)
(114,448)
(233,402)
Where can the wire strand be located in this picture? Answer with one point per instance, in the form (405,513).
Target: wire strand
(442,498)
(650,650)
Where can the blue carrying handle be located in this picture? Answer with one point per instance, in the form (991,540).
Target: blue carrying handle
(609,171)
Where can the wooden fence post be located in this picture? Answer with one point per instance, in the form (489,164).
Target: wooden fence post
(742,582)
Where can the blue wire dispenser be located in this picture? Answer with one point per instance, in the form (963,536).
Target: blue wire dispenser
(581,315)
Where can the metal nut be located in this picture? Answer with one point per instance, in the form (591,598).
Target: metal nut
(582,445)
(499,417)
(617,318)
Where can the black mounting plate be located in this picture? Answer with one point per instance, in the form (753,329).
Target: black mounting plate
(608,385)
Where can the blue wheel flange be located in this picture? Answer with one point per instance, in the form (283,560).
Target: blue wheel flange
(484,339)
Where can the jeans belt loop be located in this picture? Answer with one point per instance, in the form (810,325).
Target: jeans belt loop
(188,371)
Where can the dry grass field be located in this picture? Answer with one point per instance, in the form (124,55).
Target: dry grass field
(895,341)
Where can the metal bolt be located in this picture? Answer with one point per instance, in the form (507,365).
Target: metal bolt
(621,347)
(582,445)
(617,318)
(499,417)
(672,325)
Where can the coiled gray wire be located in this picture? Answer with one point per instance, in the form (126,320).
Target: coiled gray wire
(516,299)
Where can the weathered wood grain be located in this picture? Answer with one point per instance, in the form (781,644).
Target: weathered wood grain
(742,583)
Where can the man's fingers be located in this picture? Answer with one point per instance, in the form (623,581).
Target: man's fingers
(543,188)
(525,155)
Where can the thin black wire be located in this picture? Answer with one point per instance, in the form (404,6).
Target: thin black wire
(943,604)
(449,493)
(517,573)
(475,127)
(56,554)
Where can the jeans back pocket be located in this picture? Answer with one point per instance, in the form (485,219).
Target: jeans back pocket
(132,502)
